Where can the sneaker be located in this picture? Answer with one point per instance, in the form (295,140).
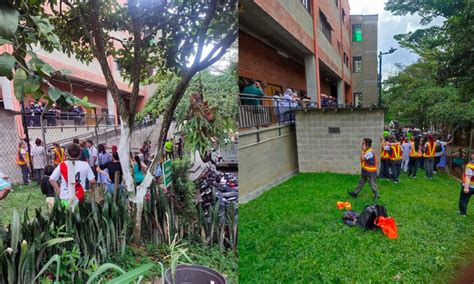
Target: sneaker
(353,194)
(413,177)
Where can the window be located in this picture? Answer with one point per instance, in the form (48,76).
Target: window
(346,59)
(343,15)
(325,26)
(306,4)
(357,64)
(357,33)
(358,99)
(336,2)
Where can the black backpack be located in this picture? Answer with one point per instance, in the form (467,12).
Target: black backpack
(369,214)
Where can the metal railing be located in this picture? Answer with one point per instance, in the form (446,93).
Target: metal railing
(33,119)
(262,111)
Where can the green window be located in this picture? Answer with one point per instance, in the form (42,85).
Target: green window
(357,33)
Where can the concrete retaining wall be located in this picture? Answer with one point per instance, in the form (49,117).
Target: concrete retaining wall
(266,157)
(320,151)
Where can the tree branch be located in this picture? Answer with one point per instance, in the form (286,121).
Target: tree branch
(201,35)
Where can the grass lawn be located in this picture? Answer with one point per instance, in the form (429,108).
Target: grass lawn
(294,233)
(22,197)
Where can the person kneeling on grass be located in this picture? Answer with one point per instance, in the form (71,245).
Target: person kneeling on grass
(46,187)
(467,188)
(368,163)
(5,186)
(73,174)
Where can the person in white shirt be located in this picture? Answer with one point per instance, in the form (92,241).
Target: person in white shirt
(92,153)
(406,147)
(39,158)
(73,174)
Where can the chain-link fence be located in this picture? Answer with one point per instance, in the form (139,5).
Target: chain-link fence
(22,126)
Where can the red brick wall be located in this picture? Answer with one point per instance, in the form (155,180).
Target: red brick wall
(325,87)
(286,20)
(261,62)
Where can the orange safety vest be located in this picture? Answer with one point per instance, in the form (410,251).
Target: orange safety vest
(369,165)
(20,160)
(469,165)
(396,154)
(413,153)
(59,156)
(430,150)
(385,155)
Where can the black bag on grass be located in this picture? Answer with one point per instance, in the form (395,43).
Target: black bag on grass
(369,214)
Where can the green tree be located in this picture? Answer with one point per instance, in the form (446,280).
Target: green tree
(141,35)
(415,97)
(219,91)
(448,46)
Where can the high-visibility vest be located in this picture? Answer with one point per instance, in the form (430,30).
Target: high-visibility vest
(169,146)
(20,160)
(59,156)
(385,155)
(396,154)
(469,165)
(369,165)
(413,152)
(430,151)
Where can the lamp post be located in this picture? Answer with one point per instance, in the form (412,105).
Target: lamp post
(392,50)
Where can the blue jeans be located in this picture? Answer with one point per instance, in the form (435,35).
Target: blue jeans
(111,188)
(429,163)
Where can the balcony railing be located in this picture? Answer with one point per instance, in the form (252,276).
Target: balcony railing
(264,111)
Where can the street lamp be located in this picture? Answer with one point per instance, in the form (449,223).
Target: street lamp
(392,50)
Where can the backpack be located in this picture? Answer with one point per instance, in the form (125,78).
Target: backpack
(439,148)
(369,214)
(350,218)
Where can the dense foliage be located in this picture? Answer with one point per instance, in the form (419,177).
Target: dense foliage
(219,91)
(415,97)
(449,46)
(439,88)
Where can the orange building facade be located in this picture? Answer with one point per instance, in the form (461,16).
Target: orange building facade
(300,44)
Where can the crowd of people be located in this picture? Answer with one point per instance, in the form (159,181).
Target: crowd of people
(34,110)
(407,153)
(90,165)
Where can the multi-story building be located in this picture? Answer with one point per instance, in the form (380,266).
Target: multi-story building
(305,45)
(364,59)
(85,79)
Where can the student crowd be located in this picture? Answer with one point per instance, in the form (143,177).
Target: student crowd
(408,153)
(82,163)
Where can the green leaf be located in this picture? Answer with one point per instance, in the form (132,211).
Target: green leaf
(43,25)
(9,17)
(54,93)
(32,84)
(134,274)
(7,63)
(18,81)
(103,268)
(5,41)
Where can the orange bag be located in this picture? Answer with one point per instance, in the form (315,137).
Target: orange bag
(388,226)
(344,205)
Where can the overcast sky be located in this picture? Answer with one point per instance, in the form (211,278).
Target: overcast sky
(389,25)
